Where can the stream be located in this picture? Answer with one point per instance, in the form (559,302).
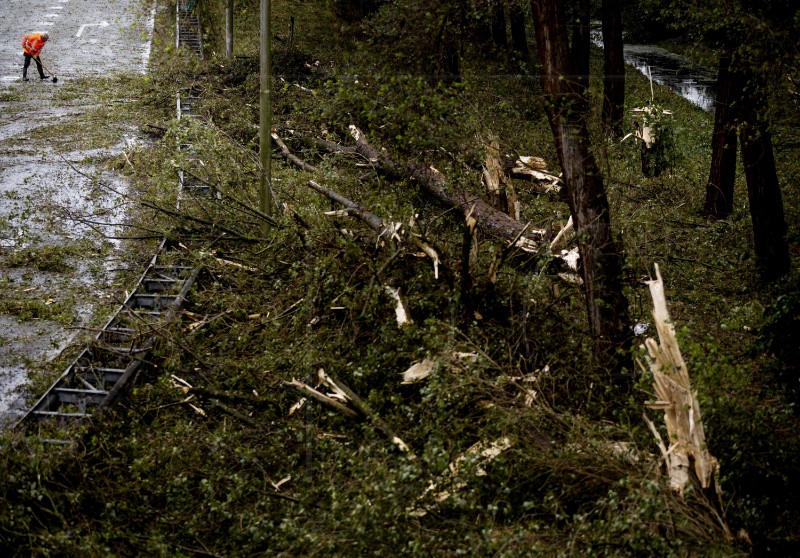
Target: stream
(674,71)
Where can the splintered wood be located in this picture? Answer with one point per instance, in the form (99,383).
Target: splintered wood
(643,131)
(477,456)
(499,186)
(687,449)
(535,170)
(399,309)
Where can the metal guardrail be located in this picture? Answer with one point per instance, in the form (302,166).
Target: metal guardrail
(96,378)
(188,33)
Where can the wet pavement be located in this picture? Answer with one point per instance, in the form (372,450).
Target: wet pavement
(56,262)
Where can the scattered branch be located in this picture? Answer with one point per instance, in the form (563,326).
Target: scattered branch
(291,157)
(351,208)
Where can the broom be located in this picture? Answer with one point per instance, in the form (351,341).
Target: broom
(49,71)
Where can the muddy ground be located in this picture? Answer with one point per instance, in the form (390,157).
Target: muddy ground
(58,218)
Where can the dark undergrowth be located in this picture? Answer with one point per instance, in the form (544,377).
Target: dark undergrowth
(241,464)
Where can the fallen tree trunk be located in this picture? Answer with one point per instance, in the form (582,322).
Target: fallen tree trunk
(490,220)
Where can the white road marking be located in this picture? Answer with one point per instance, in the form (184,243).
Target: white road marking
(85,25)
(52,15)
(45,23)
(150,25)
(56,8)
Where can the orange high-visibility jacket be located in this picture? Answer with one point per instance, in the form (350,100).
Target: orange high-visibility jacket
(33,43)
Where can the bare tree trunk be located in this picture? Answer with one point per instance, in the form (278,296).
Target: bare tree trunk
(447,49)
(519,37)
(606,305)
(763,190)
(497,16)
(613,67)
(228,28)
(581,46)
(719,190)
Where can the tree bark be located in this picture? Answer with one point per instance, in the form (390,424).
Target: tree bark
(613,67)
(719,190)
(519,37)
(581,46)
(763,190)
(606,305)
(497,16)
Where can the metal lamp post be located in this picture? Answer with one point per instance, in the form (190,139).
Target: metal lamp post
(229,29)
(265,120)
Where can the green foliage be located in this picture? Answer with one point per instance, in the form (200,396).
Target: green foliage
(155,476)
(56,259)
(403,109)
(353,11)
(779,336)
(744,420)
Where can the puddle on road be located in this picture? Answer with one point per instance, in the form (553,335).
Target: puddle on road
(47,208)
(54,195)
(20,343)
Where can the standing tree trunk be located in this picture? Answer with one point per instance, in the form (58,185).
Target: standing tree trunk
(763,190)
(606,305)
(613,67)
(581,46)
(519,37)
(228,28)
(497,15)
(719,190)
(447,51)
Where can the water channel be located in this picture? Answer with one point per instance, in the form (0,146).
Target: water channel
(676,72)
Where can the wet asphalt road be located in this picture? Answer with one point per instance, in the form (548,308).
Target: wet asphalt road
(86,36)
(37,188)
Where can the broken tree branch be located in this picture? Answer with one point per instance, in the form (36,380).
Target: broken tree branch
(374,222)
(688,456)
(365,410)
(494,222)
(321,397)
(291,157)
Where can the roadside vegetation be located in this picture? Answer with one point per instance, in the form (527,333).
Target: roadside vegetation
(515,444)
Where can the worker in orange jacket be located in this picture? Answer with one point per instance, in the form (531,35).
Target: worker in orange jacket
(32,44)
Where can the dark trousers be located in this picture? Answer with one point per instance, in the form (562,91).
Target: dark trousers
(28,58)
